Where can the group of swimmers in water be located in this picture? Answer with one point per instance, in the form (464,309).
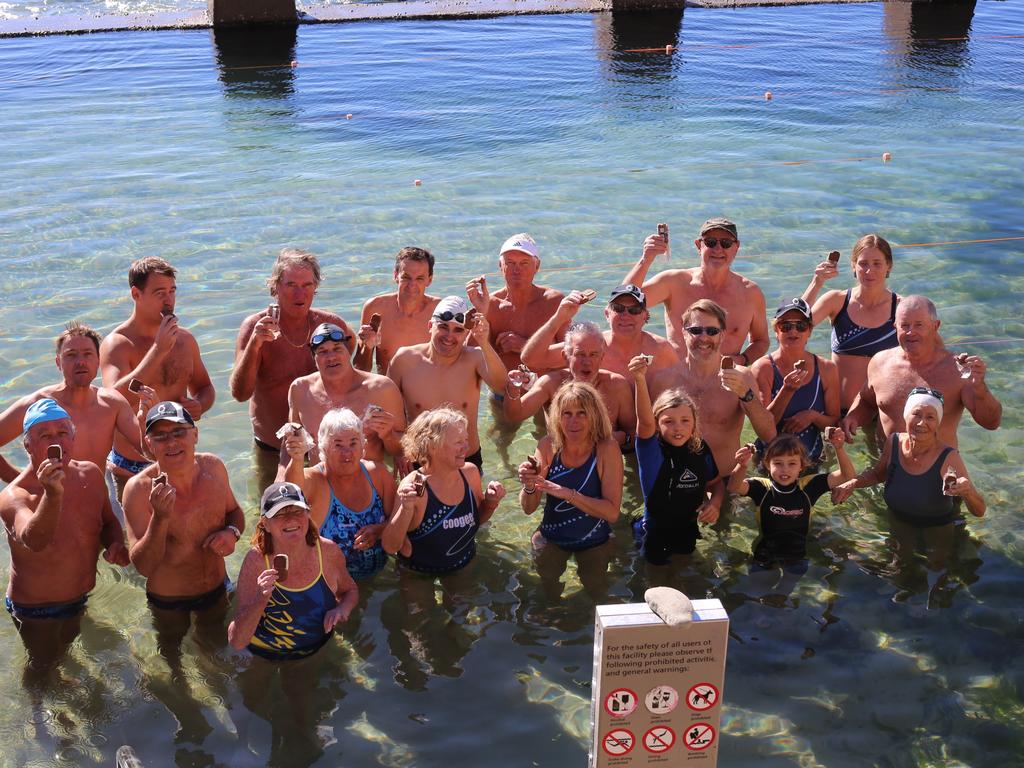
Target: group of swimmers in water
(368,446)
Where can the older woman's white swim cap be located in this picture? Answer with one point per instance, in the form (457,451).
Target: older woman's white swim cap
(923,396)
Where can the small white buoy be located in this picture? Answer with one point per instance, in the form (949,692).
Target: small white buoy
(767,95)
(669,48)
(886,157)
(348,116)
(294,64)
(417,182)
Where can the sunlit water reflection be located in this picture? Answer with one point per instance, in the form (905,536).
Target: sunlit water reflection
(214,153)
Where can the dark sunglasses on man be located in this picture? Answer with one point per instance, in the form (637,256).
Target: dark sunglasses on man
(793,325)
(712,242)
(698,330)
(636,309)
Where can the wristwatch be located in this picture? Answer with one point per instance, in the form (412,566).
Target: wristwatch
(747,397)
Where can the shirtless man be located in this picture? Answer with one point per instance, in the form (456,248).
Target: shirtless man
(183,521)
(714,279)
(516,311)
(58,517)
(96,412)
(921,359)
(626,313)
(336,384)
(584,349)
(404,314)
(153,348)
(445,371)
(723,397)
(271,353)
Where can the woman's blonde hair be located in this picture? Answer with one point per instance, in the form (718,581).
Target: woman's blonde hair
(427,432)
(674,398)
(581,395)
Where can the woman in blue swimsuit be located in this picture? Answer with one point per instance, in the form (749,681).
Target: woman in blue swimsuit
(351,498)
(863,317)
(578,473)
(799,388)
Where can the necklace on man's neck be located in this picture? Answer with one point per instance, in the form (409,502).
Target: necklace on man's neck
(309,330)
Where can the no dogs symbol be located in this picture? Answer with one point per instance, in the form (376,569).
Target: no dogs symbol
(699,736)
(701,697)
(618,742)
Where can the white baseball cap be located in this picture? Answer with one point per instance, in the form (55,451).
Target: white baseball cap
(521,242)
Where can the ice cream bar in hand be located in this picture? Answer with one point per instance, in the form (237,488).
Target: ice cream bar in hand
(375,322)
(829,432)
(727,363)
(160,479)
(135,386)
(799,365)
(648,359)
(53,453)
(419,484)
(534,464)
(281,566)
(949,481)
(588,295)
(833,256)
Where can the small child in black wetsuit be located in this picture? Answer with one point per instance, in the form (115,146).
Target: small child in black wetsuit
(677,472)
(784,499)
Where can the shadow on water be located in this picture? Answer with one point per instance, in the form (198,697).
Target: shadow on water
(621,38)
(929,36)
(256,61)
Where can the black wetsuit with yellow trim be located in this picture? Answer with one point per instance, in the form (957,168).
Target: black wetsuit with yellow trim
(292,624)
(784,516)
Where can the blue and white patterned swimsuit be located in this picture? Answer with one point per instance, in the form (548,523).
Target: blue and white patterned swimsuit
(566,525)
(342,524)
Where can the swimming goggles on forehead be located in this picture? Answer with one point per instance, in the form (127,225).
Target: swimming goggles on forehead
(447,316)
(319,338)
(927,391)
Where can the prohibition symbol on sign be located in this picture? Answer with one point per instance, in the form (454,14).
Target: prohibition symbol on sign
(621,702)
(699,736)
(701,697)
(618,742)
(660,738)
(661,700)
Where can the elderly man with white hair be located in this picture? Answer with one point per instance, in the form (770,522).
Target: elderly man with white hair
(921,359)
(516,311)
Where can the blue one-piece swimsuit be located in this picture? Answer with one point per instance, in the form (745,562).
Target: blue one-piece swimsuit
(566,525)
(341,526)
(445,539)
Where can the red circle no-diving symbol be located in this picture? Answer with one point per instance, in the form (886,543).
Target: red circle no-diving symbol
(701,697)
(618,742)
(699,736)
(660,738)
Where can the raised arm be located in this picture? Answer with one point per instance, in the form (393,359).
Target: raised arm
(738,477)
(490,368)
(35,528)
(825,271)
(519,405)
(978,398)
(645,424)
(656,291)
(963,487)
(540,351)
(741,382)
(148,511)
(255,332)
(254,586)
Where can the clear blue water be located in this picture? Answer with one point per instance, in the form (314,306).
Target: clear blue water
(215,154)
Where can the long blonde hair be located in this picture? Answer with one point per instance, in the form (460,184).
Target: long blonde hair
(674,398)
(583,395)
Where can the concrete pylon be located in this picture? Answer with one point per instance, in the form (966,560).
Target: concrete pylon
(228,13)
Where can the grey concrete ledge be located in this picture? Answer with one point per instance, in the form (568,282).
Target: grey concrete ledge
(412,9)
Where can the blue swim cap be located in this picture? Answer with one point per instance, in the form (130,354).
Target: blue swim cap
(43,410)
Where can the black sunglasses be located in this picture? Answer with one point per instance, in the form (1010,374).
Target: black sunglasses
(636,309)
(927,391)
(697,330)
(319,338)
(725,242)
(793,325)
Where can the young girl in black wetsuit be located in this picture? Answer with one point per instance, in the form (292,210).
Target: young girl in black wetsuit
(784,499)
(677,472)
